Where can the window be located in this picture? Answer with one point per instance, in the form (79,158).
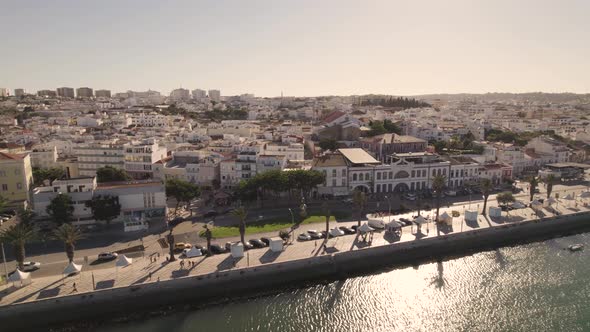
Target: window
(333,182)
(354,177)
(391,175)
(378,177)
(361,177)
(343,172)
(433,172)
(2,173)
(378,186)
(423,173)
(333,172)
(19,185)
(4,187)
(413,174)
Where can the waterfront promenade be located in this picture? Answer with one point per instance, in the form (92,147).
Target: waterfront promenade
(144,271)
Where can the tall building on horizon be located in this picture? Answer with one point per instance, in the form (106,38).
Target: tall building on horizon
(19,92)
(199,94)
(4,92)
(215,95)
(46,93)
(180,95)
(102,93)
(65,92)
(84,92)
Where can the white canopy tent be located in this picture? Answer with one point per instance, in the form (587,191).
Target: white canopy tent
(193,252)
(536,205)
(335,232)
(72,268)
(569,197)
(446,218)
(518,205)
(23,278)
(365,228)
(585,194)
(550,201)
(471,216)
(123,261)
(420,220)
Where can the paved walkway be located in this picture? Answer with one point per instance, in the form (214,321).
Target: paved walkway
(143,270)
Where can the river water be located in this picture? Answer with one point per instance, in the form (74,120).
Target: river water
(535,287)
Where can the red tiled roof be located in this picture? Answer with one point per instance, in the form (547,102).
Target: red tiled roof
(10,156)
(333,116)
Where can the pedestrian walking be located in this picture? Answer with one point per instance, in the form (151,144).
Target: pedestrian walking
(150,275)
(74,288)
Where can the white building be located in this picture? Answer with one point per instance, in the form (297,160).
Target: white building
(181,94)
(215,95)
(44,157)
(199,94)
(97,155)
(140,157)
(4,92)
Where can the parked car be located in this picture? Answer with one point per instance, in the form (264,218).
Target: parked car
(176,221)
(405,221)
(180,246)
(107,256)
(257,243)
(347,230)
(266,240)
(410,196)
(323,234)
(347,200)
(217,249)
(314,234)
(451,193)
(303,237)
(354,227)
(210,213)
(31,266)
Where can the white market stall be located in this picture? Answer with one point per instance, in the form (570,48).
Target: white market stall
(72,268)
(335,232)
(471,216)
(193,252)
(445,218)
(495,211)
(20,278)
(123,261)
(237,250)
(276,244)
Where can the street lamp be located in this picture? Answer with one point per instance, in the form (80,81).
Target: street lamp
(293,226)
(4,260)
(388,203)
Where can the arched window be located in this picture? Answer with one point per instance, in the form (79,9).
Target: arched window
(361,177)
(354,177)
(401,175)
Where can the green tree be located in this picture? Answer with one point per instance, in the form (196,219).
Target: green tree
(533,184)
(439,183)
(359,199)
(69,235)
(486,186)
(25,215)
(104,208)
(550,180)
(3,203)
(182,191)
(61,209)
(505,198)
(328,144)
(42,174)
(241,213)
(111,174)
(18,235)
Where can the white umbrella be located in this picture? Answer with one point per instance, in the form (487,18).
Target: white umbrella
(194,252)
(123,261)
(585,194)
(365,228)
(569,197)
(19,275)
(72,268)
(518,205)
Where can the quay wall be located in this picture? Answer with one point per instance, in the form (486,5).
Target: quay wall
(224,285)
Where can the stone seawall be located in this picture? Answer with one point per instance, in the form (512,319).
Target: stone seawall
(224,285)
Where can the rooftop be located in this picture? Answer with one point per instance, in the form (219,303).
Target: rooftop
(358,156)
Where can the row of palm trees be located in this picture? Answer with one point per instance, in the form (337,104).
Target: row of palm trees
(20,234)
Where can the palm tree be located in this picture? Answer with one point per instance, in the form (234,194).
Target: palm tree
(69,235)
(438,185)
(550,181)
(241,213)
(533,183)
(326,212)
(359,199)
(486,186)
(18,235)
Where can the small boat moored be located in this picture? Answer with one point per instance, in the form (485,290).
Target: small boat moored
(576,247)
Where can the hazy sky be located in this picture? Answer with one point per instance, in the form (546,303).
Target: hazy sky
(299,47)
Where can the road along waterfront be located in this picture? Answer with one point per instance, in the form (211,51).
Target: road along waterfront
(275,273)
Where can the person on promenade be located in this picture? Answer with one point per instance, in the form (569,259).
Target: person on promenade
(150,275)
(74,288)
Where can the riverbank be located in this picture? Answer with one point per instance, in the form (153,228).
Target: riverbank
(272,272)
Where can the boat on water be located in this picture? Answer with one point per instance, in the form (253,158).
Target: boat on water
(576,247)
